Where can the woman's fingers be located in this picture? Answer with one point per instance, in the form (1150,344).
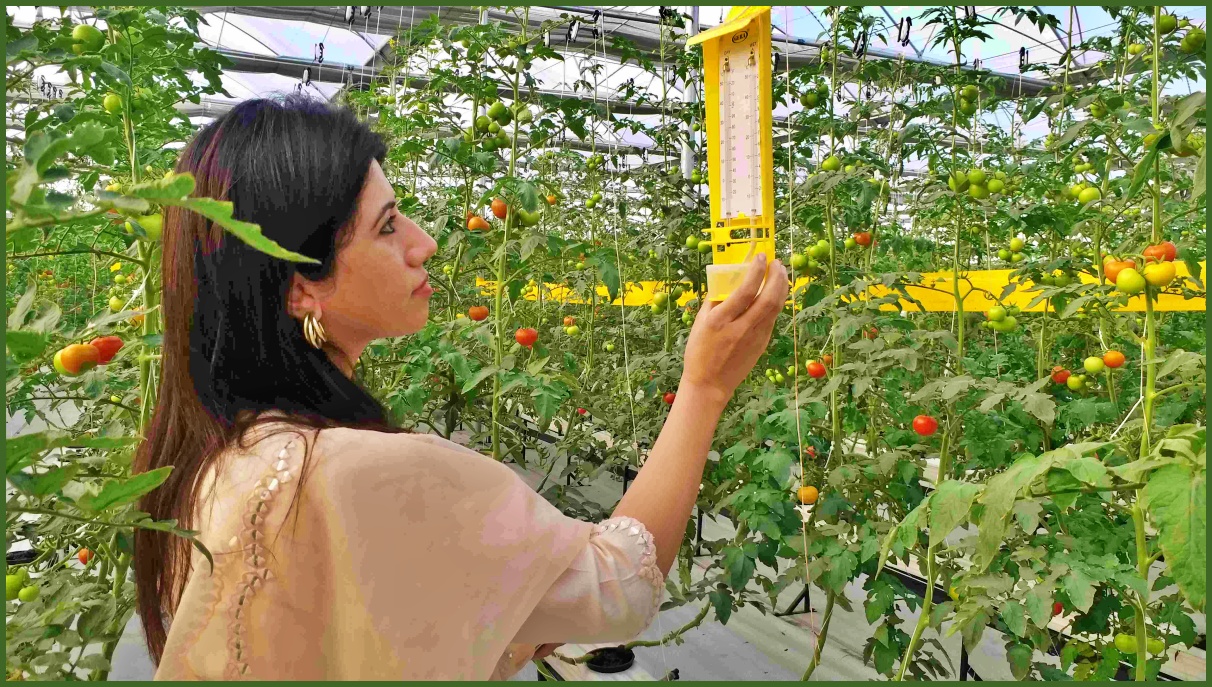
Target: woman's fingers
(770,302)
(739,300)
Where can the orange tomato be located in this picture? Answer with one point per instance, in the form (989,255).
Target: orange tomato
(569,321)
(827,359)
(478,312)
(499,208)
(1113,268)
(477,223)
(551,200)
(84,556)
(77,359)
(808,495)
(1113,359)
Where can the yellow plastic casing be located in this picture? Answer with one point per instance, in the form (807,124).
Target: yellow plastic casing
(736,240)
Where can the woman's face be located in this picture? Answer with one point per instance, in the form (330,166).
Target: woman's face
(379,287)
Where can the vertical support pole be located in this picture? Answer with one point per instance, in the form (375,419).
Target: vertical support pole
(690,95)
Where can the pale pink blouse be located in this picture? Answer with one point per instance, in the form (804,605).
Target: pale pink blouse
(408,557)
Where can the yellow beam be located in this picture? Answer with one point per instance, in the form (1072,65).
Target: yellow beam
(978,288)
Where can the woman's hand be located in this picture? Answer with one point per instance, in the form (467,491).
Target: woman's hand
(545,650)
(728,337)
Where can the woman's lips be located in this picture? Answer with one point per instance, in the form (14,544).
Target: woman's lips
(424,290)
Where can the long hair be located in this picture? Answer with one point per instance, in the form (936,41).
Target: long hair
(294,166)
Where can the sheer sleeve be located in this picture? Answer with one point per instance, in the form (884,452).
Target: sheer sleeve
(611,591)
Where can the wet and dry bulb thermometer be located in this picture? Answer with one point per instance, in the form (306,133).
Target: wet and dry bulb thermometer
(740,149)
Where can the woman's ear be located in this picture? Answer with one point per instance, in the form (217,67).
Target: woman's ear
(301,297)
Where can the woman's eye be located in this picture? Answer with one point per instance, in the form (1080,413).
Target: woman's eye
(390,227)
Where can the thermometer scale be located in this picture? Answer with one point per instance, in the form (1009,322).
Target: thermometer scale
(740,149)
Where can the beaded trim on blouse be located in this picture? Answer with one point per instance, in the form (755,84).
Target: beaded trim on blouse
(256,569)
(648,560)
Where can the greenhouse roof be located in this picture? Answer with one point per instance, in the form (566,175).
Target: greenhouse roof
(324,49)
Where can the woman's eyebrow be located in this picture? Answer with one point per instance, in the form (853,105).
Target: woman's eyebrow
(384,210)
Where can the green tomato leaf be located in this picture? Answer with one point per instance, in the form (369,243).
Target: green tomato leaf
(949,506)
(219,212)
(1175,499)
(118,492)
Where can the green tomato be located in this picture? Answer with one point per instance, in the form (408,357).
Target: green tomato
(692,242)
(1017,257)
(779,378)
(484,124)
(660,298)
(1075,382)
(12,586)
(1167,23)
(112,103)
(676,293)
(1003,254)
(1017,245)
(572,331)
(977,176)
(87,37)
(831,164)
(497,110)
(996,186)
(687,318)
(1156,646)
(978,192)
(610,348)
(1125,643)
(696,177)
(29,593)
(579,265)
(798,261)
(969,92)
(704,247)
(997,313)
(1094,364)
(967,107)
(850,242)
(1089,195)
(1130,282)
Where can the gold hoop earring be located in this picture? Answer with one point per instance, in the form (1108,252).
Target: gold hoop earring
(313,331)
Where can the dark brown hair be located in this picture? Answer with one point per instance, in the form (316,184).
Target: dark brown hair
(294,166)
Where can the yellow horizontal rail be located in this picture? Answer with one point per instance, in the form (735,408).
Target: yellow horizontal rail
(979,289)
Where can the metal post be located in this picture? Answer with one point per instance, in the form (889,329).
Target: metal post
(690,96)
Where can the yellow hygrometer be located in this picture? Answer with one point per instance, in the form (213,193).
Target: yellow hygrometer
(740,149)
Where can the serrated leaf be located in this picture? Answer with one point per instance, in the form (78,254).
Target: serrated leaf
(117,492)
(484,373)
(949,505)
(998,501)
(219,212)
(1071,133)
(1175,499)
(24,345)
(1200,185)
(1013,615)
(117,73)
(1144,168)
(17,317)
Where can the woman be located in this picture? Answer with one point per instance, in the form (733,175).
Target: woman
(343,547)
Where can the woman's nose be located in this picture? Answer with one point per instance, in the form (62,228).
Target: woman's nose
(424,248)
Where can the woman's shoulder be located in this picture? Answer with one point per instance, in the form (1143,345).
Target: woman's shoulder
(345,455)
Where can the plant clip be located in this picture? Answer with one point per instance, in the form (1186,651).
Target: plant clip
(318,53)
(1022,60)
(574,27)
(860,45)
(976,64)
(902,30)
(349,15)
(597,24)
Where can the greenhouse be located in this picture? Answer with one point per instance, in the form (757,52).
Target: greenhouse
(523,268)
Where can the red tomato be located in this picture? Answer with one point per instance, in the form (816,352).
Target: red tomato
(668,397)
(811,452)
(925,425)
(499,208)
(1113,359)
(815,369)
(526,336)
(108,346)
(1060,375)
(871,333)
(478,312)
(582,411)
(84,556)
(1057,608)
(863,238)
(1162,252)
